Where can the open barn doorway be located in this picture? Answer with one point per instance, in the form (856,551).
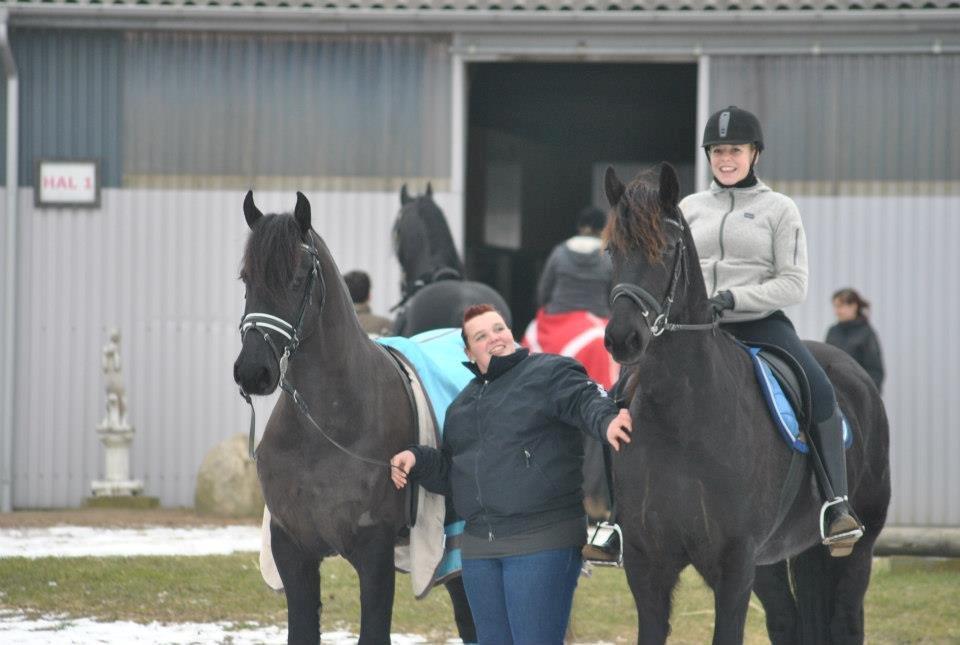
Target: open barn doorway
(539,137)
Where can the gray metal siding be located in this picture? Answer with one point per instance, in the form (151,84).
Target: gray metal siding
(162,266)
(867,148)
(344,112)
(900,253)
(838,121)
(69,99)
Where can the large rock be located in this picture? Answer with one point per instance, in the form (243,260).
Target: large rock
(227,483)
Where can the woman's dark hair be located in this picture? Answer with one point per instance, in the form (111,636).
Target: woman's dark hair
(592,218)
(472,312)
(849,296)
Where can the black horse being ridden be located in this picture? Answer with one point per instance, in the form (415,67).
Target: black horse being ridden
(701,481)
(435,291)
(323,467)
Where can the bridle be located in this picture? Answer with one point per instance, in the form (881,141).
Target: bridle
(265,323)
(648,304)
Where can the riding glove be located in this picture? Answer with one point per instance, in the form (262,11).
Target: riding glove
(721,302)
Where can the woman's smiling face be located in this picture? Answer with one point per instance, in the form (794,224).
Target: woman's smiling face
(730,163)
(487,336)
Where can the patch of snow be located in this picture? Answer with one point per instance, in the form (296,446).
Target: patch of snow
(77,541)
(16,627)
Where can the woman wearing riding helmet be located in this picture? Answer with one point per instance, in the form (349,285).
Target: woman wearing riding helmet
(753,255)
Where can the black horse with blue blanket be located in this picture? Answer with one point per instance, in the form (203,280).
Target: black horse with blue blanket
(323,461)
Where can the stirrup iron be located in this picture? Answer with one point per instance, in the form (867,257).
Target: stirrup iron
(853,534)
(615,530)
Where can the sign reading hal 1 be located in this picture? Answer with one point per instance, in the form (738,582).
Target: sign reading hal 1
(67,183)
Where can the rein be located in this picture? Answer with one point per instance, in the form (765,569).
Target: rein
(261,323)
(648,303)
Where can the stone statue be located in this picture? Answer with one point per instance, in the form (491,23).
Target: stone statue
(116,393)
(115,432)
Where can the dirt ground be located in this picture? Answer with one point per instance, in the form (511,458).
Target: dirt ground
(118,518)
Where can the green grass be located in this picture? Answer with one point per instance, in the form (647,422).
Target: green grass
(907,603)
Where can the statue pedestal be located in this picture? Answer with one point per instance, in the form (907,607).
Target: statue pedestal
(116,439)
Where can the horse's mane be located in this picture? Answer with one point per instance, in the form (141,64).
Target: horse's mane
(272,254)
(635,221)
(439,241)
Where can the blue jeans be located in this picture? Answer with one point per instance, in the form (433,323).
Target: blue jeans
(522,599)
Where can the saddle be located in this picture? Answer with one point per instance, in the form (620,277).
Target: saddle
(786,390)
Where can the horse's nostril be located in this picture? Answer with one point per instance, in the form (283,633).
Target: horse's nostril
(263,379)
(633,340)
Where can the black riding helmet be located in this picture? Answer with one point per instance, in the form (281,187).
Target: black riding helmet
(732,125)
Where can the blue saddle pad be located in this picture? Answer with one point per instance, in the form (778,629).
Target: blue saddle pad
(438,357)
(780,408)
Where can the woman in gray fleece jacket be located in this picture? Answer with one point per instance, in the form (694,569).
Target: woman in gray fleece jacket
(753,254)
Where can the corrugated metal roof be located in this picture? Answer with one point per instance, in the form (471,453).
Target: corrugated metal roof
(505,6)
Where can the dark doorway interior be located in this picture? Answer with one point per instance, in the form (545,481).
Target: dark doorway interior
(539,137)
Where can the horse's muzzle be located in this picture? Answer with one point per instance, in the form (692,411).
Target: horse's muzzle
(255,377)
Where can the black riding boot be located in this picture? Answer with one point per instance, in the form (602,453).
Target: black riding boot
(839,526)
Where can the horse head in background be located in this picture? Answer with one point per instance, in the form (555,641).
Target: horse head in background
(423,243)
(703,481)
(435,290)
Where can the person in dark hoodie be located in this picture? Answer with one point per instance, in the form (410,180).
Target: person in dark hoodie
(577,275)
(511,457)
(854,335)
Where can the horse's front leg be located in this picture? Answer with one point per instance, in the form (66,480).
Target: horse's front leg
(732,585)
(373,560)
(300,574)
(651,581)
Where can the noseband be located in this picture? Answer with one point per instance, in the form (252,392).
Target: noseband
(648,304)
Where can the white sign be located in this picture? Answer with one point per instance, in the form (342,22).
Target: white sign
(67,183)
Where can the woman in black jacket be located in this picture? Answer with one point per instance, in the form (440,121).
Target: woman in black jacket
(511,460)
(854,335)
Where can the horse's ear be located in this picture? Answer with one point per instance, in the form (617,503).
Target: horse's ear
(404,196)
(429,190)
(250,210)
(669,186)
(301,213)
(613,186)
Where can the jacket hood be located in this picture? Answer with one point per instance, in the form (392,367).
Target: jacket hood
(583,250)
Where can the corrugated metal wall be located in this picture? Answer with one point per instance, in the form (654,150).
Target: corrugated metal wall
(162,266)
(868,148)
(70,107)
(184,124)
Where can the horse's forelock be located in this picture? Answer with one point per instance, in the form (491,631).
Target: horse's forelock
(272,254)
(636,221)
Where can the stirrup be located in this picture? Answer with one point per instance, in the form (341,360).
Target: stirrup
(591,542)
(847,536)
